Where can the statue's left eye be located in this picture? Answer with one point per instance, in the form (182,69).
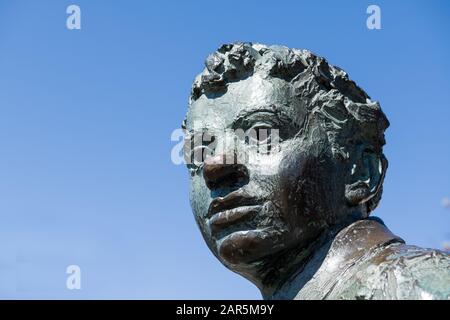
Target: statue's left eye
(260,136)
(263,134)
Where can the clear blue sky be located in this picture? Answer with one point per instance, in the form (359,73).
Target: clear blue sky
(86,116)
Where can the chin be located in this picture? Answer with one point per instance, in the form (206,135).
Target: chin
(247,247)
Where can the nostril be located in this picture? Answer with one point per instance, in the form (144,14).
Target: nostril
(224,175)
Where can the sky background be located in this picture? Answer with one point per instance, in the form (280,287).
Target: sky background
(86,117)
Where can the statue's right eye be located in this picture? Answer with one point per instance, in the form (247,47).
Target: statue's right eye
(262,136)
(196,149)
(197,158)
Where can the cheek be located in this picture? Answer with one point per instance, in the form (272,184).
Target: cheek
(199,196)
(302,182)
(200,199)
(264,165)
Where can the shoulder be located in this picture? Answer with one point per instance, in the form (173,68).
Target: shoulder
(400,271)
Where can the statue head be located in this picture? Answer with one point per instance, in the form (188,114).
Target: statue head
(282,148)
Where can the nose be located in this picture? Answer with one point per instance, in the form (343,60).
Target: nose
(218,174)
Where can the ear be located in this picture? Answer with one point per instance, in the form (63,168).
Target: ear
(366,176)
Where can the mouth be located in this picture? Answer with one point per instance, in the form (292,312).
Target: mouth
(237,208)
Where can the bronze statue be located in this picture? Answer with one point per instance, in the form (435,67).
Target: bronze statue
(294,217)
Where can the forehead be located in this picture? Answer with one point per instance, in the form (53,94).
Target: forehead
(246,96)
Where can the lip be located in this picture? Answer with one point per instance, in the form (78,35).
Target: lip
(235,199)
(227,218)
(235,208)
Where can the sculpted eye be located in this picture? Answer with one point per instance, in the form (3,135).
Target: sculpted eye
(257,133)
(197,158)
(197,149)
(265,126)
(263,134)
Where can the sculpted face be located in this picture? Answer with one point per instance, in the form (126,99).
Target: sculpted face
(274,201)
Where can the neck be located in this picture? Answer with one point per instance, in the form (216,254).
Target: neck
(291,275)
(277,271)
